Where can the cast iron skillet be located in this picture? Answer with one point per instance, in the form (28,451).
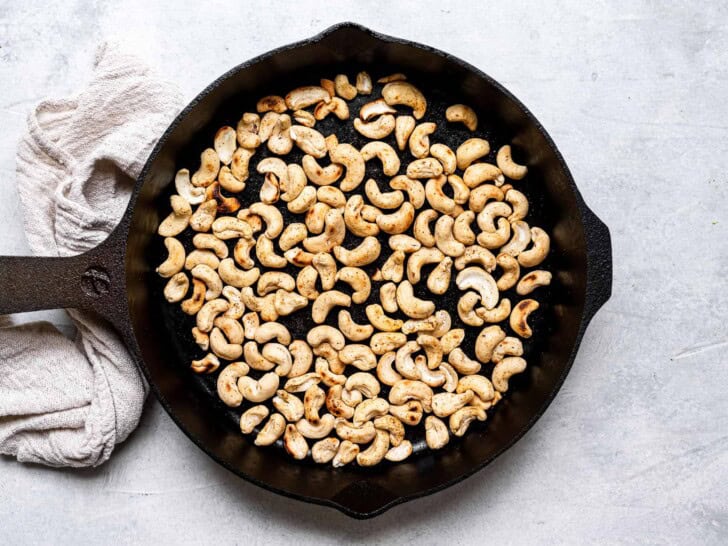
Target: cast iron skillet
(117,278)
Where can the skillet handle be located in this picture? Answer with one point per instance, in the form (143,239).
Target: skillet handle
(93,280)
(599,263)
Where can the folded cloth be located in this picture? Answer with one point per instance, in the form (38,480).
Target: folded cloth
(63,402)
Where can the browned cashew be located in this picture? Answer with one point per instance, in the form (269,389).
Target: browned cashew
(327,301)
(227,383)
(195,302)
(428,167)
(519,317)
(399,221)
(333,235)
(322,176)
(393,267)
(336,106)
(376,108)
(505,369)
(499,313)
(531,281)
(354,221)
(358,280)
(209,167)
(271,103)
(439,279)
(306,96)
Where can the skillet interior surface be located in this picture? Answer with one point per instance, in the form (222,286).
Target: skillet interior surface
(162,331)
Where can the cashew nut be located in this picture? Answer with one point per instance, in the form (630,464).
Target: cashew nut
(509,167)
(354,220)
(466,309)
(247,129)
(376,451)
(461,228)
(195,302)
(292,235)
(227,383)
(480,196)
(447,159)
(486,218)
(261,390)
(433,350)
(477,384)
(405,390)
(439,280)
(272,330)
(399,221)
(402,92)
(176,288)
(266,253)
(222,347)
(271,103)
(286,302)
(209,167)
(436,434)
(384,342)
(346,453)
(331,196)
(462,363)
(419,258)
(436,197)
(388,297)
(207,365)
(393,267)
(364,254)
(377,129)
(480,281)
(486,342)
(498,314)
(445,239)
(304,201)
(538,252)
(361,434)
(385,153)
(324,451)
(211,279)
(327,301)
(179,218)
(192,194)
(498,238)
(319,429)
(370,409)
(352,330)
(388,200)
(288,405)
(428,167)
(399,453)
(252,417)
(306,282)
(477,173)
(175,259)
(371,110)
(351,158)
(421,229)
(519,317)
(326,334)
(505,369)
(235,277)
(419,141)
(303,97)
(531,281)
(272,218)
(272,430)
(445,404)
(323,176)
(333,235)
(336,106)
(476,254)
(461,419)
(358,280)
(309,140)
(204,216)
(414,188)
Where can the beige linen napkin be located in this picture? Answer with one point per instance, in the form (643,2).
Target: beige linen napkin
(63,402)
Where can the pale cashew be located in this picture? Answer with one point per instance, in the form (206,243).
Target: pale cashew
(370,409)
(419,140)
(235,277)
(316,217)
(498,314)
(353,218)
(272,330)
(272,218)
(304,201)
(306,282)
(460,191)
(510,346)
(364,254)
(313,400)
(209,167)
(328,377)
(476,254)
(466,309)
(464,365)
(266,253)
(511,271)
(402,92)
(331,196)
(309,140)
(376,451)
(499,238)
(480,281)
(252,417)
(385,372)
(287,302)
(336,106)
(224,143)
(436,434)
(222,347)
(261,390)
(445,404)
(192,194)
(322,176)
(288,405)
(538,252)
(477,173)
(385,153)
(351,158)
(272,430)
(388,297)
(292,235)
(280,141)
(520,239)
(271,281)
(477,384)
(326,268)
(428,167)
(414,188)
(439,279)
(433,350)
(227,383)
(248,127)
(250,322)
(343,88)
(346,453)
(306,118)
(444,238)
(256,360)
(178,219)
(358,280)
(195,302)
(486,342)
(265,305)
(268,124)
(509,167)
(399,221)
(175,258)
(327,301)
(519,203)
(405,390)
(412,306)
(461,228)
(461,419)
(333,235)
(360,356)
(303,97)
(362,434)
(207,365)
(421,228)
(388,200)
(232,329)
(445,156)
(319,429)
(211,279)
(393,267)
(491,211)
(403,361)
(399,453)
(377,129)
(204,216)
(436,197)
(176,288)
(531,281)
(352,330)
(271,103)
(378,107)
(205,241)
(419,258)
(384,342)
(325,334)
(228,227)
(506,369)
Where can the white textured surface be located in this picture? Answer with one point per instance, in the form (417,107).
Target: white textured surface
(633,450)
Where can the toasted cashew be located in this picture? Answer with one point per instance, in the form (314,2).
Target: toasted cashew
(399,453)
(460,361)
(351,158)
(334,402)
(538,252)
(304,201)
(399,221)
(343,88)
(271,281)
(491,211)
(436,197)
(433,350)
(204,216)
(480,281)
(322,176)
(195,302)
(402,92)
(329,85)
(176,288)
(410,305)
(319,429)
(303,97)
(419,141)
(462,418)
(364,83)
(477,384)
(253,220)
(272,430)
(385,371)
(405,390)
(235,277)
(377,129)
(376,108)
(436,434)
(336,106)
(207,365)
(462,114)
(179,218)
(466,309)
(376,451)
(222,347)
(476,254)
(428,167)
(211,279)
(510,346)
(288,405)
(326,334)
(272,218)
(272,330)
(175,258)
(294,442)
(306,282)
(280,141)
(292,235)
(192,194)
(325,450)
(388,200)
(480,196)
(444,238)
(268,124)
(409,413)
(270,103)
(225,144)
(519,204)
(280,356)
(498,238)
(346,453)
(209,167)
(414,188)
(388,297)
(499,313)
(354,220)
(477,173)
(370,409)
(486,342)
(316,217)
(509,167)
(519,317)
(309,140)
(511,271)
(265,305)
(247,130)
(358,280)
(393,267)
(520,239)
(385,153)
(227,383)
(313,400)
(461,228)
(252,417)
(360,356)
(286,302)
(452,340)
(445,404)
(362,434)
(405,363)
(333,235)
(439,279)
(506,369)
(364,254)
(531,281)
(447,159)
(384,342)
(352,330)
(250,321)
(266,253)
(327,301)
(418,259)
(205,241)
(261,390)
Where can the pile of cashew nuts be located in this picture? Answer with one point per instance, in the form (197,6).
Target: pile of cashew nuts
(325,395)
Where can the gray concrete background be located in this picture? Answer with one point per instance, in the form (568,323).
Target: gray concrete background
(635,447)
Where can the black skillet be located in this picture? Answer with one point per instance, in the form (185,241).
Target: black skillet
(117,278)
